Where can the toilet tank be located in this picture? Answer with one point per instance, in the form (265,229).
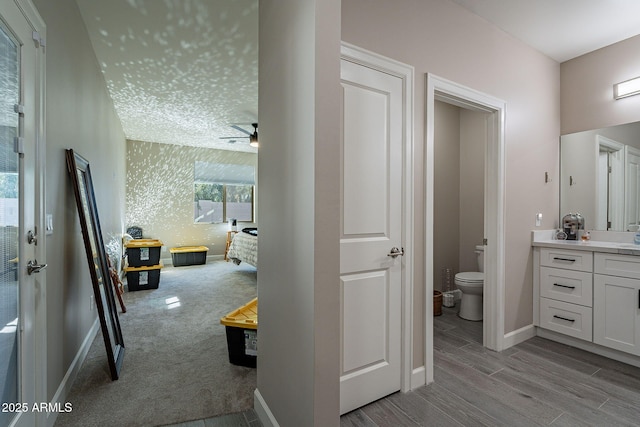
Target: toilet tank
(480,255)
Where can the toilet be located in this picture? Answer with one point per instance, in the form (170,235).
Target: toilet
(471,285)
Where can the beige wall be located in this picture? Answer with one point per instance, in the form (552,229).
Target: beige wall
(298,168)
(460,139)
(446,193)
(79,115)
(160,194)
(473,140)
(587,87)
(439,37)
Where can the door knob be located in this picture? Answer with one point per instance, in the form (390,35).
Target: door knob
(395,252)
(34,267)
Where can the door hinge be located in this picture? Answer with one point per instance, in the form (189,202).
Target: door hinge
(18,145)
(610,169)
(18,108)
(484,242)
(39,40)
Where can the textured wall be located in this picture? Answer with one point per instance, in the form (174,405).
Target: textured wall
(160,194)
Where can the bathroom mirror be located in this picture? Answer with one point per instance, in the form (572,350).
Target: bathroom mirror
(600,177)
(80,174)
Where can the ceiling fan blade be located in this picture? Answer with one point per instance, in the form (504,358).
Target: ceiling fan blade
(238,128)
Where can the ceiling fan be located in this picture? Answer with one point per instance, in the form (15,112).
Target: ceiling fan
(253,137)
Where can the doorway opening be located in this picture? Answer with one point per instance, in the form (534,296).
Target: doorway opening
(493,110)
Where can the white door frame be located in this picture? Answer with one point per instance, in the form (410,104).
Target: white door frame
(616,184)
(406,74)
(38,377)
(493,312)
(628,152)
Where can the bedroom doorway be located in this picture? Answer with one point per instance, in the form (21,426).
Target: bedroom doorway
(439,89)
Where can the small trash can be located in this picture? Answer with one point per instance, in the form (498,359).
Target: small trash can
(437,303)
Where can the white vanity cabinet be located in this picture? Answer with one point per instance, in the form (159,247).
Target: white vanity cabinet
(616,302)
(566,292)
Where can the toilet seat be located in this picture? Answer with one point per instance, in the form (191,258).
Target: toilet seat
(470,277)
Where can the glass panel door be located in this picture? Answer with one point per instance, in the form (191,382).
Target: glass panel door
(9,222)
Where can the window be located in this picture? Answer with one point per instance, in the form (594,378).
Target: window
(223,191)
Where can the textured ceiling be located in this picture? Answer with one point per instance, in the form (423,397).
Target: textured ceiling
(179,71)
(183,71)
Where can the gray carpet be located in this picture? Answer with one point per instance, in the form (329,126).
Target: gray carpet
(176,365)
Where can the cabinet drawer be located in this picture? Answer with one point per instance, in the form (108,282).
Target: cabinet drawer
(617,265)
(569,319)
(568,259)
(567,285)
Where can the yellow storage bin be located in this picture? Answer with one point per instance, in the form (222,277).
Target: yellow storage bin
(188,255)
(143,252)
(144,277)
(242,334)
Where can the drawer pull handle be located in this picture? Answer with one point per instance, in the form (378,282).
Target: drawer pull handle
(564,259)
(564,318)
(564,286)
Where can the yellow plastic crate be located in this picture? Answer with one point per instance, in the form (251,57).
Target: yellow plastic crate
(143,243)
(245,317)
(241,326)
(188,249)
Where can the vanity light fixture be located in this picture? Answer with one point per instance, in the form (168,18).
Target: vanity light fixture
(626,88)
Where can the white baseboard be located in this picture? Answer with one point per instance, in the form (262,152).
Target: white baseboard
(418,377)
(518,336)
(262,410)
(65,385)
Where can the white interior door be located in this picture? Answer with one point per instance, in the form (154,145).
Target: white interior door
(371,225)
(19,104)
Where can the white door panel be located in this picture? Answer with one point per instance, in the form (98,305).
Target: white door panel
(371,225)
(365,330)
(365,193)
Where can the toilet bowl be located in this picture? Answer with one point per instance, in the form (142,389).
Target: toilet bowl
(471,284)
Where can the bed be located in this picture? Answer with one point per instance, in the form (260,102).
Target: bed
(244,247)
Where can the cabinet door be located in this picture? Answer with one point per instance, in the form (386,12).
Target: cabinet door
(616,313)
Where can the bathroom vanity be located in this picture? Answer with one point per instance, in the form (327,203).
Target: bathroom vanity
(587,294)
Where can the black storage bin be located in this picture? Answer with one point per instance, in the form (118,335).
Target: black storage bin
(188,255)
(142,278)
(236,344)
(241,326)
(143,252)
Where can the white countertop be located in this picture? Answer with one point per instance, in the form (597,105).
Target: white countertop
(601,241)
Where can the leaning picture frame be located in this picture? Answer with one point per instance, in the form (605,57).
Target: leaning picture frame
(80,174)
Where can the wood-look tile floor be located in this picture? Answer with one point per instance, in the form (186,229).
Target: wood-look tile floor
(538,382)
